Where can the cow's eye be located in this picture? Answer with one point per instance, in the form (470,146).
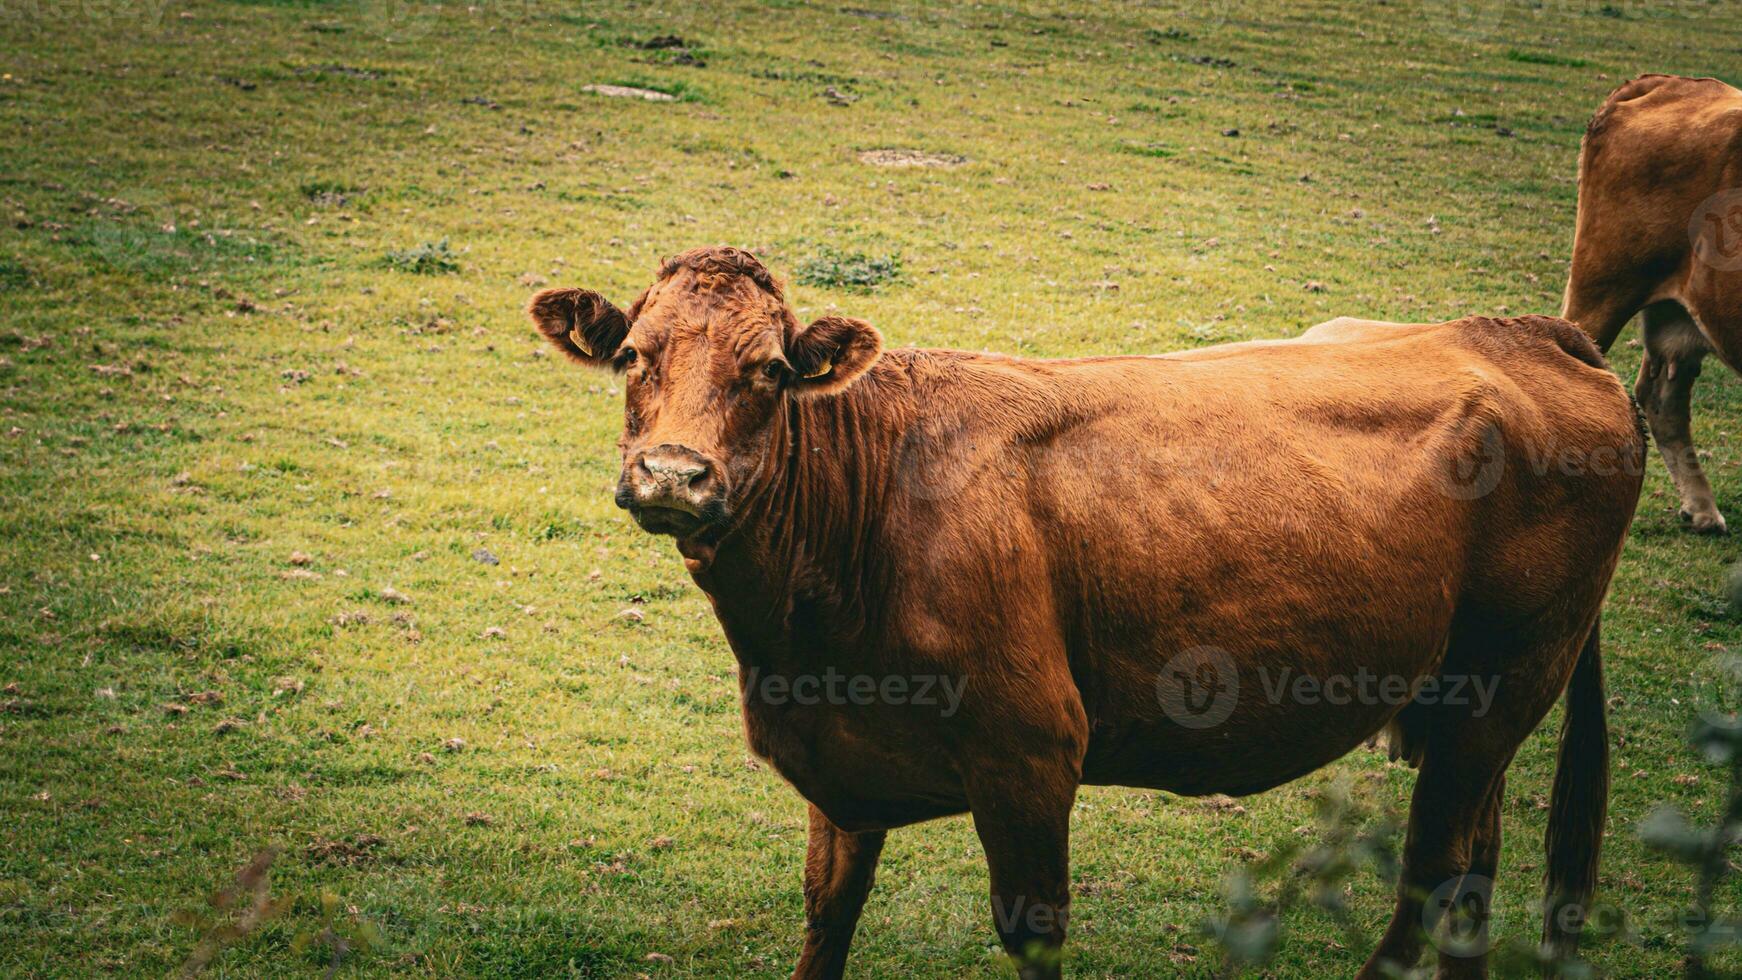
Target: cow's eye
(625,357)
(773,370)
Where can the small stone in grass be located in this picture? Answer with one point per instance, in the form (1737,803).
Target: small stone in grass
(660,843)
(454,744)
(484,555)
(495,633)
(658,958)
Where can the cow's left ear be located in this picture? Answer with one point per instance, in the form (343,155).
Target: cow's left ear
(831,353)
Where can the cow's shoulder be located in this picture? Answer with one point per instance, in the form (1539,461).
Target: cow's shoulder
(1550,335)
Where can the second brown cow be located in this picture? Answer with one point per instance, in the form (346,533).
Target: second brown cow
(1660,233)
(1100,568)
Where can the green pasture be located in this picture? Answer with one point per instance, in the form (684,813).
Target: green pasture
(307,547)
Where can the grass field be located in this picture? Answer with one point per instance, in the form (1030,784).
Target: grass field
(306,545)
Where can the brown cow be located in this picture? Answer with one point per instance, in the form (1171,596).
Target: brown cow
(1111,562)
(1660,231)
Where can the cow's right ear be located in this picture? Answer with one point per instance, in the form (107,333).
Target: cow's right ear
(581,323)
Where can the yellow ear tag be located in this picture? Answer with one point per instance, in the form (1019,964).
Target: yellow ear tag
(819,372)
(579,341)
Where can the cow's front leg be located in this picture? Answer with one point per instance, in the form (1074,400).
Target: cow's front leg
(1023,819)
(838,868)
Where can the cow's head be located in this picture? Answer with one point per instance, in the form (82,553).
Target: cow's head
(710,354)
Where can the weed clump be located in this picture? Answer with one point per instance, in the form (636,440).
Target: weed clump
(854,271)
(428,259)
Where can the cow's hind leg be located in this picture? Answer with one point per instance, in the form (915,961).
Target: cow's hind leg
(1602,302)
(838,869)
(1674,349)
(1454,793)
(1469,904)
(1499,679)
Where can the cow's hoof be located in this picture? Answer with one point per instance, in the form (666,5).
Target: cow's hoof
(1706,522)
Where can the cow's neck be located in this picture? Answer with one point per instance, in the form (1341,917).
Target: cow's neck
(802,562)
(801,578)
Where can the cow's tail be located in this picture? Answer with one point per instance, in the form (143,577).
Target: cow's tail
(1579,803)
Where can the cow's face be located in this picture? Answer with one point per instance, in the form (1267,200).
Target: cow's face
(709,354)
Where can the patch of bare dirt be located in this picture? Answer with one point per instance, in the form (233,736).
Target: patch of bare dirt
(894,157)
(626,92)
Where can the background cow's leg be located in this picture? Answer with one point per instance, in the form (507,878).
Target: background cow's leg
(1674,349)
(1023,819)
(1602,311)
(1453,794)
(838,868)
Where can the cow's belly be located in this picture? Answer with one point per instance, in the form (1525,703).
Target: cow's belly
(1237,757)
(866,767)
(1239,691)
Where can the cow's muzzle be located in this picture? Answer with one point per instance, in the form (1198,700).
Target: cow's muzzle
(672,489)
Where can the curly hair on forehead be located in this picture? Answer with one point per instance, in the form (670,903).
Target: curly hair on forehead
(722,260)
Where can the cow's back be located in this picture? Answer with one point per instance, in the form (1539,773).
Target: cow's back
(1458,429)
